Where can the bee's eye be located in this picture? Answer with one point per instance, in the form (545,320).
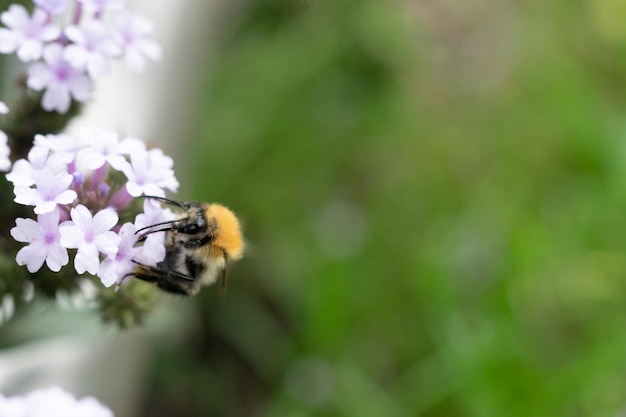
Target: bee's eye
(190,229)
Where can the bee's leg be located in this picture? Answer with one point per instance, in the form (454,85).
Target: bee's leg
(166,279)
(164,282)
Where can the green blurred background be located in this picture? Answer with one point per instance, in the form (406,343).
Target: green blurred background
(433,194)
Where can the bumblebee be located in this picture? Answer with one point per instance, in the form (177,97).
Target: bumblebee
(201,242)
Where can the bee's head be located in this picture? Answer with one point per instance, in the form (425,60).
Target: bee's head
(191,221)
(201,225)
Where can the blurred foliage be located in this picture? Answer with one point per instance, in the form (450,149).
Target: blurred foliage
(433,194)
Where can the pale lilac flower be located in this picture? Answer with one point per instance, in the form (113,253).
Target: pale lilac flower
(63,145)
(51,189)
(22,172)
(13,407)
(91,236)
(52,402)
(73,177)
(26,34)
(153,249)
(53,7)
(132,32)
(61,81)
(114,268)
(39,157)
(5,151)
(153,213)
(101,5)
(43,239)
(107,147)
(91,49)
(149,173)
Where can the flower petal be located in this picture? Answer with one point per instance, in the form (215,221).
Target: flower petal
(57,257)
(32,256)
(107,243)
(81,216)
(72,236)
(87,259)
(26,230)
(104,220)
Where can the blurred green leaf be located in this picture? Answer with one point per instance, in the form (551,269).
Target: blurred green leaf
(433,195)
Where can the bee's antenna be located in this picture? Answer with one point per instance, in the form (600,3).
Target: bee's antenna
(166,200)
(170,222)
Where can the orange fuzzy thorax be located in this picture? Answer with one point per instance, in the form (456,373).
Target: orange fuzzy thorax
(228,236)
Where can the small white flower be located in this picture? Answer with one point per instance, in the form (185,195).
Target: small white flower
(61,80)
(51,189)
(52,402)
(91,236)
(153,213)
(5,151)
(13,407)
(149,173)
(91,49)
(105,146)
(114,268)
(53,7)
(132,32)
(65,146)
(153,249)
(101,5)
(73,174)
(39,157)
(21,174)
(43,239)
(26,34)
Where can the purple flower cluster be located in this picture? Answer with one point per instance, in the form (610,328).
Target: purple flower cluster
(49,402)
(67,60)
(78,185)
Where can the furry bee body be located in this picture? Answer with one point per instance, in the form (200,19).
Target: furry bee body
(201,241)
